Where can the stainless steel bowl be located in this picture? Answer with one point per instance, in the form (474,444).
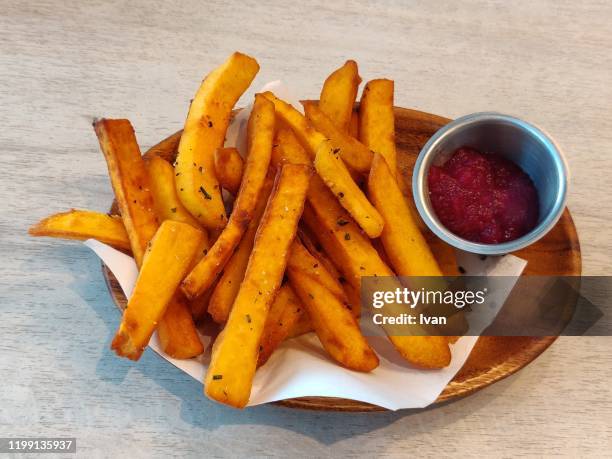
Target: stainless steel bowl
(520,142)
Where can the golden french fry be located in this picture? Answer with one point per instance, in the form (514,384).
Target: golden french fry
(166,263)
(228,167)
(332,320)
(234,357)
(339,93)
(260,134)
(404,244)
(82,225)
(130,181)
(167,202)
(336,176)
(354,125)
(285,311)
(355,154)
(132,186)
(377,121)
(224,293)
(204,132)
(177,335)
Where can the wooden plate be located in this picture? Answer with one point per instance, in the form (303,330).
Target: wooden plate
(493,358)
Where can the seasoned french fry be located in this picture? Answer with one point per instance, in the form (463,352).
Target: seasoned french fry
(260,134)
(354,126)
(355,154)
(404,244)
(377,121)
(177,335)
(204,132)
(130,181)
(234,357)
(166,263)
(228,167)
(336,176)
(333,322)
(82,225)
(339,93)
(285,311)
(167,203)
(224,293)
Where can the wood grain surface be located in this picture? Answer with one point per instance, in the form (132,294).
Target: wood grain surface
(493,358)
(64,62)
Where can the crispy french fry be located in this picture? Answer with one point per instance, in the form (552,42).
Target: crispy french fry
(377,121)
(130,182)
(354,125)
(204,132)
(224,293)
(167,204)
(166,263)
(228,167)
(444,254)
(285,311)
(404,244)
(336,176)
(333,322)
(234,357)
(260,134)
(339,93)
(177,335)
(82,225)
(355,154)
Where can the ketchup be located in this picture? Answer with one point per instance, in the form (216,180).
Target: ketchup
(483,197)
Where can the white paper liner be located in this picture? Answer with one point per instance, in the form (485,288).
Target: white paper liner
(300,367)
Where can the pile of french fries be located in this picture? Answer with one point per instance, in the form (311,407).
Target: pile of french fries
(318,203)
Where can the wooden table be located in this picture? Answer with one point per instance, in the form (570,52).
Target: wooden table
(62,63)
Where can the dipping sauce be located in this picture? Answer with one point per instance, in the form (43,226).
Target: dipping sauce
(483,197)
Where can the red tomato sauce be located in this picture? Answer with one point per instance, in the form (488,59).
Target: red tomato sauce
(483,197)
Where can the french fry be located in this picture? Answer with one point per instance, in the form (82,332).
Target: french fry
(229,167)
(260,134)
(204,132)
(177,334)
(285,311)
(404,244)
(332,320)
(355,154)
(377,121)
(82,225)
(166,263)
(234,357)
(336,176)
(224,293)
(339,93)
(167,204)
(132,186)
(130,181)
(354,125)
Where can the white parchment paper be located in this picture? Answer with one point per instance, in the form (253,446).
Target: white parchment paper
(301,367)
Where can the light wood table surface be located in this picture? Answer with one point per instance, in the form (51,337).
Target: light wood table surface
(64,62)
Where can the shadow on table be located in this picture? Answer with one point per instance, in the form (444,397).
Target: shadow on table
(196,410)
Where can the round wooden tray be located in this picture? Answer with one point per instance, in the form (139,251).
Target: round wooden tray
(493,358)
